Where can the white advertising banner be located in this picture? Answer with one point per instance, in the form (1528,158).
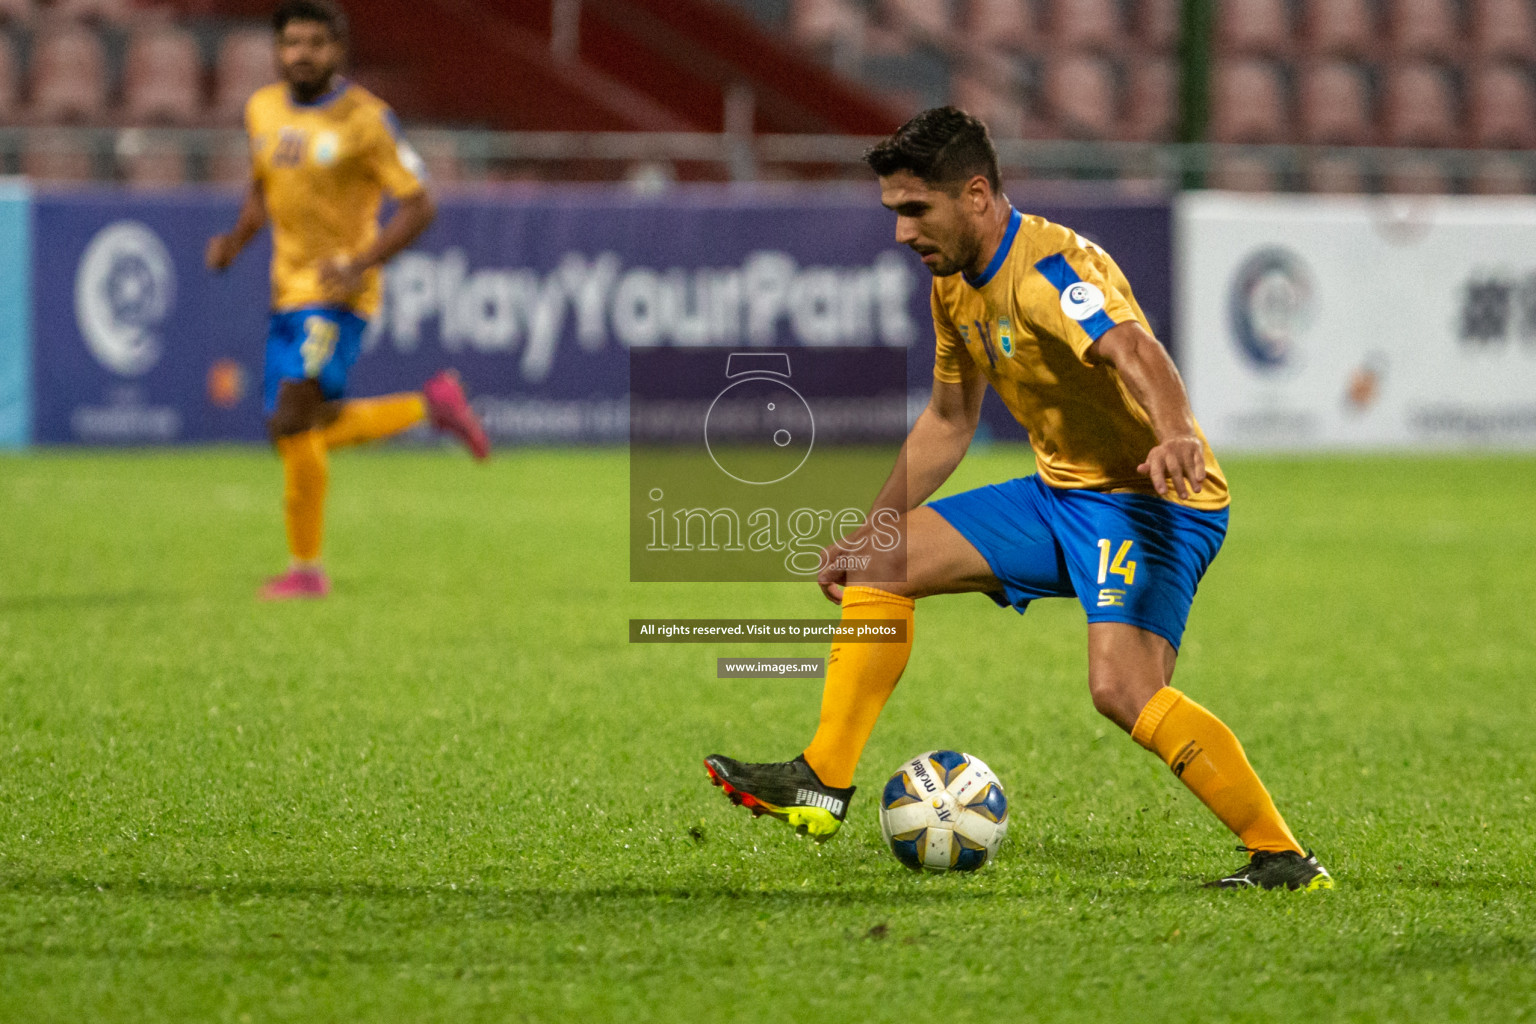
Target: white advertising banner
(1359,322)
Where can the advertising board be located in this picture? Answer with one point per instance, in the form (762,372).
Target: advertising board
(1359,322)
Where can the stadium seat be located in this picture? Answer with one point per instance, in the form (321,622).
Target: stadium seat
(1080,97)
(1340,28)
(1157,24)
(1248,102)
(1334,105)
(827,24)
(57,154)
(991,100)
(909,74)
(923,18)
(1152,101)
(1424,28)
(145,160)
(1000,24)
(162,76)
(10,91)
(1501,176)
(1419,107)
(1253,27)
(245,64)
(1501,108)
(113,12)
(17,12)
(1085,25)
(1504,28)
(69,75)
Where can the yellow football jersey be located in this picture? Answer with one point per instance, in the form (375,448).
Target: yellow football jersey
(1027,323)
(323,168)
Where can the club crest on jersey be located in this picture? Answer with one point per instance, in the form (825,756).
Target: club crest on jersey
(289,149)
(1005,335)
(326,149)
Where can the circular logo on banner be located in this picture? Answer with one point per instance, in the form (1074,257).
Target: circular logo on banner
(1081,300)
(1270,305)
(124,287)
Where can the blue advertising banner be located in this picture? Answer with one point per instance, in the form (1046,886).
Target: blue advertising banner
(15,307)
(537,298)
(134,341)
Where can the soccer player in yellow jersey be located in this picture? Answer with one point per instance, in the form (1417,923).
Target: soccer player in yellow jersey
(324,153)
(1125,511)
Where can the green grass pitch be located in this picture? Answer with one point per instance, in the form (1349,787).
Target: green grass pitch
(453,792)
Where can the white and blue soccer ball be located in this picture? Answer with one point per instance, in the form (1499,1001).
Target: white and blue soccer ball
(944,811)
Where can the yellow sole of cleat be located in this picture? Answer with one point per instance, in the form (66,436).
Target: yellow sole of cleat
(1320,882)
(815,822)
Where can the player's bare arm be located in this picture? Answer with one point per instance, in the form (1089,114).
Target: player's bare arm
(222,249)
(343,275)
(940,437)
(1153,380)
(933,448)
(936,444)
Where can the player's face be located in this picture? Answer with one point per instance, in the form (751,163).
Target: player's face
(944,230)
(308,55)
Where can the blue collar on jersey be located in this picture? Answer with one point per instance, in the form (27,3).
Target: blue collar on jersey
(1015,218)
(329,96)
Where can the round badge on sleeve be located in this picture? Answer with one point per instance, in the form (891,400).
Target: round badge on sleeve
(1081,300)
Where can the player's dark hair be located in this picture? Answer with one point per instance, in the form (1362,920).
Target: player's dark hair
(943,146)
(322,11)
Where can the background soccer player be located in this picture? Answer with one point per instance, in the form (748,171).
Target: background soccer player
(323,154)
(1126,509)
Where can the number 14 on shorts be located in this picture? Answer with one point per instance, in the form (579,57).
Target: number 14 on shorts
(1111,597)
(320,336)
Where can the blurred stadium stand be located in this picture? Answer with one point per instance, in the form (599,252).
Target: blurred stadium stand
(1326,95)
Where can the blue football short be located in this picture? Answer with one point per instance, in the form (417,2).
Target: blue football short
(1130,558)
(318,343)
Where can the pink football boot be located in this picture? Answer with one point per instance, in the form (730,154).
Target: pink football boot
(297,583)
(449,410)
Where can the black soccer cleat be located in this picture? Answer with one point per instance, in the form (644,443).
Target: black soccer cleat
(788,790)
(1277,869)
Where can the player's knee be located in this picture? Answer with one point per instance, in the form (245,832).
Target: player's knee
(299,404)
(280,426)
(1114,696)
(1104,693)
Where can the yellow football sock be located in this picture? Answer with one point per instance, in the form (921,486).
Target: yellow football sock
(860,678)
(304,479)
(368,419)
(1207,758)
